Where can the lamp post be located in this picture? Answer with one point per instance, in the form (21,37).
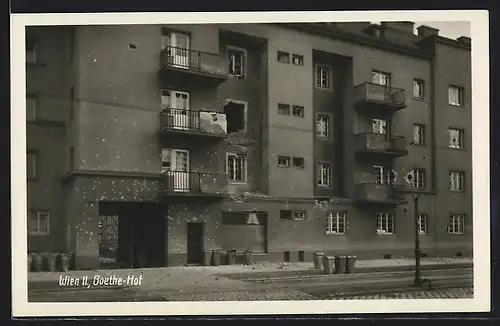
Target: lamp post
(416,196)
(418,279)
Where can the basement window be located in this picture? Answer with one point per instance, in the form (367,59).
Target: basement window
(235,116)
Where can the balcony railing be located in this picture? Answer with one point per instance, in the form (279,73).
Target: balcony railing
(380,95)
(195,183)
(194,61)
(380,144)
(198,122)
(372,192)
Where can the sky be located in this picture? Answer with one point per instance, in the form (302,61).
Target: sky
(447,29)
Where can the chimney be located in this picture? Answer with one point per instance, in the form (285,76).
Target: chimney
(464,40)
(425,31)
(402,26)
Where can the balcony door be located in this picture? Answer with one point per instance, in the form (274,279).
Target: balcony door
(179,52)
(381,127)
(178,104)
(180,169)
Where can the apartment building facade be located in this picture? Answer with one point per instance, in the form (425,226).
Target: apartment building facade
(154,145)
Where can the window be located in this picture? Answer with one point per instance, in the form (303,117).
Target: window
(38,222)
(299,215)
(298,162)
(235,116)
(455,95)
(284,161)
(31,103)
(456,224)
(236,167)
(31,51)
(385,223)
(323,77)
(286,214)
(236,62)
(298,111)
(456,138)
(384,174)
(323,126)
(31,165)
(418,134)
(418,88)
(422,223)
(417,178)
(324,174)
(335,223)
(381,78)
(298,59)
(283,57)
(457,180)
(283,109)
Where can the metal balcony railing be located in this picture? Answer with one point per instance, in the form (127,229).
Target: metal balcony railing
(200,121)
(377,142)
(193,60)
(195,182)
(381,94)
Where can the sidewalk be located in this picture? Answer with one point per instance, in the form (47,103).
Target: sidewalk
(221,277)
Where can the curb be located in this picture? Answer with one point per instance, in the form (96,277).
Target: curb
(317,273)
(353,276)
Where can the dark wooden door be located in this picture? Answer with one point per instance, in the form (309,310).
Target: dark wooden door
(195,243)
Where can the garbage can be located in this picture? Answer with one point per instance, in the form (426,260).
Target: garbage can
(51,260)
(317,260)
(231,257)
(216,255)
(38,262)
(248,257)
(351,263)
(340,264)
(328,264)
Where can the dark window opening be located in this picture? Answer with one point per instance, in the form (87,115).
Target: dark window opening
(298,111)
(235,116)
(298,162)
(283,57)
(286,214)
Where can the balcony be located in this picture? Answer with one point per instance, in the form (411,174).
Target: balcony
(379,99)
(182,183)
(184,67)
(196,123)
(377,193)
(372,144)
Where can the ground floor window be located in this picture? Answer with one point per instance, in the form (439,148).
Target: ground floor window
(38,222)
(335,223)
(385,223)
(456,224)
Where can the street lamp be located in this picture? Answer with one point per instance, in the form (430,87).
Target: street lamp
(418,279)
(416,196)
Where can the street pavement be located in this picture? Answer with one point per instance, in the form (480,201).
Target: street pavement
(230,284)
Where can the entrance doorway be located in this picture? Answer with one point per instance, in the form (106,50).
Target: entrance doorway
(133,235)
(195,251)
